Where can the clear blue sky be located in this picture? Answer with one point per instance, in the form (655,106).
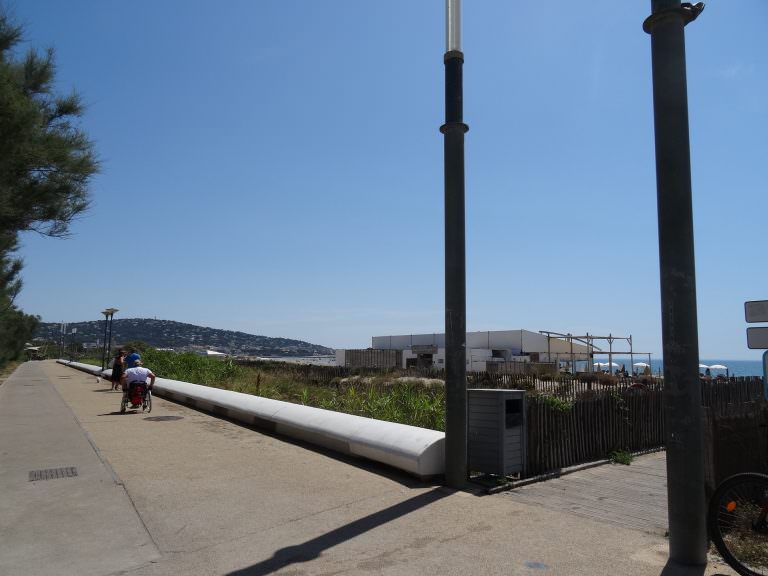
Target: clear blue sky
(275,167)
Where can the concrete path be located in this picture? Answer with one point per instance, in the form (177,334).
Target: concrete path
(77,524)
(186,493)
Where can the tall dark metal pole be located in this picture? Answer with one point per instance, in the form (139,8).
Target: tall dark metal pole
(682,393)
(111,313)
(455,264)
(109,345)
(104,345)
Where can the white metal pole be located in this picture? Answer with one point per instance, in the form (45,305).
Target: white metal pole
(453,25)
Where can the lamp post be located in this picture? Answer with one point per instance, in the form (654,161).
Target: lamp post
(682,389)
(455,264)
(109,313)
(104,343)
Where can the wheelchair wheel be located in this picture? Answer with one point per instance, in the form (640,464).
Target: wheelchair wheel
(738,525)
(147,404)
(123,404)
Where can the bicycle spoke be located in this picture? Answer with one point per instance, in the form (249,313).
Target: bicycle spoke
(739,531)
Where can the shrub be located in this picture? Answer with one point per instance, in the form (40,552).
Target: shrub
(621,457)
(555,403)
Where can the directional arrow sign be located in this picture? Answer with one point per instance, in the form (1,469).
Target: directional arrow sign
(756,311)
(757,338)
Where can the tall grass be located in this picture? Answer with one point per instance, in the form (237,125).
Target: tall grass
(381,397)
(193,368)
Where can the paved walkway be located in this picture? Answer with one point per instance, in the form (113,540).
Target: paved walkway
(83,524)
(633,497)
(181,492)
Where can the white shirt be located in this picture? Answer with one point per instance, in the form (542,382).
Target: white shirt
(137,374)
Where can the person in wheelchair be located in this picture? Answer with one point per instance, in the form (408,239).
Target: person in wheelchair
(136,375)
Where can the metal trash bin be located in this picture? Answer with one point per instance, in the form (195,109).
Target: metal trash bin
(496,431)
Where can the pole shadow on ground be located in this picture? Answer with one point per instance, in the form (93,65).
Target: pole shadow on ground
(675,569)
(312,549)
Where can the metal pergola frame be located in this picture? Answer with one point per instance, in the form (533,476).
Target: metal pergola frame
(589,339)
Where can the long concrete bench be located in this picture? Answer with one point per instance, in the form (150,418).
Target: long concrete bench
(418,451)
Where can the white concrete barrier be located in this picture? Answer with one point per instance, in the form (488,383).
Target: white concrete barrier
(418,451)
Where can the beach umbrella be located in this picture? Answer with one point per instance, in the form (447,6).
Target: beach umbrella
(720,367)
(641,365)
(703,366)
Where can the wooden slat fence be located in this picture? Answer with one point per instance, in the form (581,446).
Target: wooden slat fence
(592,427)
(622,418)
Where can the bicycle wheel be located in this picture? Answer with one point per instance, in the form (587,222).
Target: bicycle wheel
(737,523)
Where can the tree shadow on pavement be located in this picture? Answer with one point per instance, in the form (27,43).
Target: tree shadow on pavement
(312,549)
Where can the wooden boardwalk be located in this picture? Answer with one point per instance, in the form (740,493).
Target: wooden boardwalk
(633,496)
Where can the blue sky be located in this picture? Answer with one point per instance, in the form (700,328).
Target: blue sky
(275,167)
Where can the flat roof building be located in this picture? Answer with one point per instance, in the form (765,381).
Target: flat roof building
(488,350)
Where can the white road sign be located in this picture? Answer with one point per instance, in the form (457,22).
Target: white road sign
(757,338)
(756,311)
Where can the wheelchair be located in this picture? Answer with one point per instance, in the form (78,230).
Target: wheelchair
(138,396)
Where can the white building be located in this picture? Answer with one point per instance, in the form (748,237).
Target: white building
(210,353)
(483,348)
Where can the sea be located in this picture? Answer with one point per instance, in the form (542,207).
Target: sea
(735,367)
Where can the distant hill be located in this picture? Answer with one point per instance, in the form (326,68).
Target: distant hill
(180,336)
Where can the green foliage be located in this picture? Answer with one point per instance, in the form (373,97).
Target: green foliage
(621,457)
(382,397)
(406,403)
(10,267)
(555,403)
(46,164)
(15,329)
(190,367)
